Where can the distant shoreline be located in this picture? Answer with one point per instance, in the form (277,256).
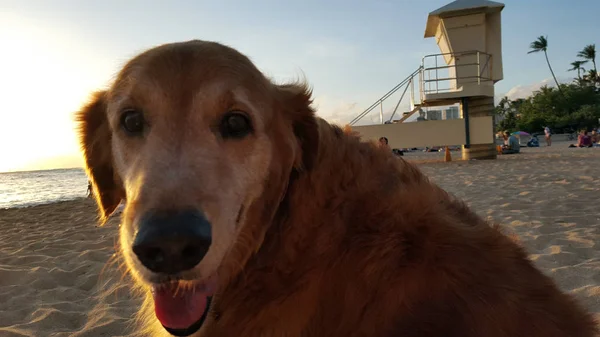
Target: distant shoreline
(44,170)
(45,203)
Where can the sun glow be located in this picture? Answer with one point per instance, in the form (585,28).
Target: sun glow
(46,74)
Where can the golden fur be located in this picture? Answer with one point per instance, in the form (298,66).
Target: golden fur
(336,237)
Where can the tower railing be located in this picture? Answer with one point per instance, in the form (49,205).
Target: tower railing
(438,73)
(446,72)
(405,83)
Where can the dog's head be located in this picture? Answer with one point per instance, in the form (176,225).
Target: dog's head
(201,146)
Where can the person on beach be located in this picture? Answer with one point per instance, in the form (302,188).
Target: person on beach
(89,189)
(511,144)
(383,143)
(583,140)
(548,135)
(595,137)
(533,142)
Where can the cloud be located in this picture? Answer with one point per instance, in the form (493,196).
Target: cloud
(336,110)
(341,111)
(524,91)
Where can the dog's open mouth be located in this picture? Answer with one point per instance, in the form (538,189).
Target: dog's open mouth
(181,309)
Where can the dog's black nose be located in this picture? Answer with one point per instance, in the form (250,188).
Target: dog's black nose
(172,242)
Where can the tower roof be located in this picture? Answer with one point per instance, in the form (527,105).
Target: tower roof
(459,7)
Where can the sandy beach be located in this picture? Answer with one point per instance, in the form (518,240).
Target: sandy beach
(57,277)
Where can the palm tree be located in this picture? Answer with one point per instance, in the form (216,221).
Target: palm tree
(504,103)
(589,53)
(592,77)
(541,44)
(577,65)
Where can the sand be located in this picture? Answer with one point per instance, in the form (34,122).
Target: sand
(55,275)
(56,279)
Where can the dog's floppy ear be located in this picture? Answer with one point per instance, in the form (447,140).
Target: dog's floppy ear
(95,139)
(297,101)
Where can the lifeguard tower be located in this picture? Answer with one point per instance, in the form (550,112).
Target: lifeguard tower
(468,33)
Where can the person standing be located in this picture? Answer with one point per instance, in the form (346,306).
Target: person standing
(548,135)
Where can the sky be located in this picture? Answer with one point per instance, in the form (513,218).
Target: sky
(56,52)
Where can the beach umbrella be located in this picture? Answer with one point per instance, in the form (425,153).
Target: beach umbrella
(520,133)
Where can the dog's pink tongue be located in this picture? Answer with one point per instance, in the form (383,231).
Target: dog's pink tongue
(179,309)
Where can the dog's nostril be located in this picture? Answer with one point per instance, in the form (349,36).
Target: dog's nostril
(172,242)
(154,254)
(189,251)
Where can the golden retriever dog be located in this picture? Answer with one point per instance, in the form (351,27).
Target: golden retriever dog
(246,215)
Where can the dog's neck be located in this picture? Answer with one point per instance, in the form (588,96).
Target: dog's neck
(325,209)
(325,200)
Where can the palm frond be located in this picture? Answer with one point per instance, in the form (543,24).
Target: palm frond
(577,65)
(541,44)
(588,52)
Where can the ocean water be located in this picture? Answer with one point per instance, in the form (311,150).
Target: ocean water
(22,189)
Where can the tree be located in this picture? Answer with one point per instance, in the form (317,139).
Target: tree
(591,78)
(577,65)
(567,107)
(541,44)
(547,107)
(507,110)
(589,54)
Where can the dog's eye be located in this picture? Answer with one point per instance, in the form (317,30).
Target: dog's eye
(235,125)
(133,121)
